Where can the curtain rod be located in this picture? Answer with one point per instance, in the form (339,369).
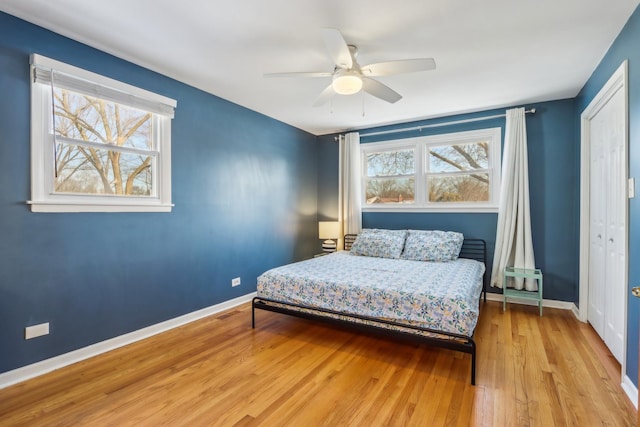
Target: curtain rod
(435,125)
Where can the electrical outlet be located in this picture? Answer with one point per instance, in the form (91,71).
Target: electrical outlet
(36,331)
(235,282)
(632,188)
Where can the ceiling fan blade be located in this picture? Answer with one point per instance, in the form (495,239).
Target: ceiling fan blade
(377,89)
(398,67)
(298,74)
(324,96)
(337,48)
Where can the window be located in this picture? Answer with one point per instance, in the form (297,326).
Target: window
(97,145)
(449,172)
(391,176)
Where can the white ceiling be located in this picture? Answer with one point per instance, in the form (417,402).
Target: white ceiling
(489,53)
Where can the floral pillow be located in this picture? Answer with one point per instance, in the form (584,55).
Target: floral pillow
(432,245)
(379,243)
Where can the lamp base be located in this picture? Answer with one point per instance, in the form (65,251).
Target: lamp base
(329,246)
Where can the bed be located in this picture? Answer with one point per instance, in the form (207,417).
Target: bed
(437,302)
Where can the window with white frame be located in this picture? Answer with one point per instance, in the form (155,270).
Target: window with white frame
(97,144)
(448,172)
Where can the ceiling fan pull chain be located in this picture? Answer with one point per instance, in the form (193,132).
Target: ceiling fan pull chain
(363,104)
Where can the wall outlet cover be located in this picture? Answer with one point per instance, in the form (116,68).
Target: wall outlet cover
(36,331)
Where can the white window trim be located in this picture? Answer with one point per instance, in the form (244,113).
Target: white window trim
(42,161)
(493,135)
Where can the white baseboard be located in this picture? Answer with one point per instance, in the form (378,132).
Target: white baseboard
(576,312)
(631,390)
(550,303)
(39,368)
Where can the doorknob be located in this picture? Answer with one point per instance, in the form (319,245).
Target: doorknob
(636,291)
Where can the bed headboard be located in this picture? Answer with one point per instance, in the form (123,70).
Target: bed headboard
(474,249)
(348,241)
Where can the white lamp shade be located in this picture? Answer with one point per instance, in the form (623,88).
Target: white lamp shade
(328,229)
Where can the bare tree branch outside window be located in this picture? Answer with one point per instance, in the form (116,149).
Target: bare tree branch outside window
(455,173)
(91,169)
(448,180)
(391,177)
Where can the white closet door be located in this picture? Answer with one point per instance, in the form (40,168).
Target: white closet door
(616,227)
(607,258)
(597,214)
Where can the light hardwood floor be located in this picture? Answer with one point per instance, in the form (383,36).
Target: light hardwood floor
(532,371)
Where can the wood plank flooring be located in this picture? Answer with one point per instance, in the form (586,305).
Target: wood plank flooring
(532,371)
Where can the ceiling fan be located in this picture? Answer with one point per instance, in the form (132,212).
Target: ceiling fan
(349,77)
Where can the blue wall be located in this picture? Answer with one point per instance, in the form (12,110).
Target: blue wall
(328,175)
(553,177)
(245,190)
(625,47)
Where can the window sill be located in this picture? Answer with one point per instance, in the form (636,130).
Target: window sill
(440,209)
(56,207)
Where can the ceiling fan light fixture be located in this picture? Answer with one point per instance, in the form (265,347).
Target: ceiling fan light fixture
(346,82)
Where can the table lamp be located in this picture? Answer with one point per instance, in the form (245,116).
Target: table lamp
(329,231)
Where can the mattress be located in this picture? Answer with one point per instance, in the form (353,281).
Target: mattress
(442,296)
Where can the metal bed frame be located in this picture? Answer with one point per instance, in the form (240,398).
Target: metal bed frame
(475,249)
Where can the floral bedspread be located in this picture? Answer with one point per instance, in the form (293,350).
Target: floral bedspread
(437,295)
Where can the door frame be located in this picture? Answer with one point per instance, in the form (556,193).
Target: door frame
(618,81)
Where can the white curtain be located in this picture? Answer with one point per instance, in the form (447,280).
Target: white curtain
(513,235)
(350,193)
